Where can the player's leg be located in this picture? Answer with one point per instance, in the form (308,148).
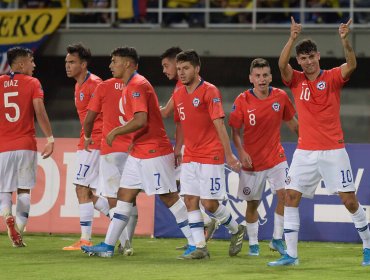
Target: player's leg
(251,217)
(338,177)
(212,190)
(302,179)
(210,223)
(86,175)
(23,208)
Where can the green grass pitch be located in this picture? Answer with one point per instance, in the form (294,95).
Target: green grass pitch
(156,259)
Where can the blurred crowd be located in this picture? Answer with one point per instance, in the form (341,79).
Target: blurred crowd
(135,11)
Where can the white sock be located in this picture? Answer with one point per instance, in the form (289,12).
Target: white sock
(86,218)
(132,222)
(23,210)
(224,216)
(118,223)
(291,229)
(252,231)
(196,224)
(278,226)
(206,218)
(360,221)
(5,204)
(181,216)
(102,205)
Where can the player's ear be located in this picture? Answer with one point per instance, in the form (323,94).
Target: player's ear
(318,55)
(197,69)
(250,79)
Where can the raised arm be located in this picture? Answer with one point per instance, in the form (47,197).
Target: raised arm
(285,69)
(351,63)
(231,159)
(88,127)
(43,121)
(167,110)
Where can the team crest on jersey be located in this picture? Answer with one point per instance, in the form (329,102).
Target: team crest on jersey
(196,102)
(321,85)
(136,94)
(276,106)
(247,190)
(216,100)
(237,206)
(288,180)
(82,96)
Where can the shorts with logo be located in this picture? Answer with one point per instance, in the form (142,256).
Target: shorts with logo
(204,180)
(252,183)
(309,167)
(153,175)
(17,170)
(87,166)
(110,173)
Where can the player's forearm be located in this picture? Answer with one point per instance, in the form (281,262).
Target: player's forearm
(285,54)
(42,117)
(89,123)
(223,136)
(349,54)
(235,134)
(179,138)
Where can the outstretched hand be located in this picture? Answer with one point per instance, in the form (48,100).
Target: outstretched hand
(344,29)
(295,29)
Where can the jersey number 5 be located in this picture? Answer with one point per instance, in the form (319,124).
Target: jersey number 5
(9,104)
(181,112)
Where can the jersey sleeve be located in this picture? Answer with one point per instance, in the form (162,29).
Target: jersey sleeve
(139,98)
(289,110)
(37,91)
(214,104)
(236,116)
(336,74)
(95,103)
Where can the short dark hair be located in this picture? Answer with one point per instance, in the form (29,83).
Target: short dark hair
(305,46)
(83,52)
(126,52)
(259,63)
(171,53)
(189,55)
(15,52)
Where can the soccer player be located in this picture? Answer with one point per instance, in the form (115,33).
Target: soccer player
(321,153)
(168,60)
(150,165)
(259,112)
(76,63)
(21,98)
(107,99)
(200,127)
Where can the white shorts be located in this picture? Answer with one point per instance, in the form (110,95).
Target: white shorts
(153,175)
(87,164)
(309,167)
(252,183)
(110,173)
(204,180)
(17,170)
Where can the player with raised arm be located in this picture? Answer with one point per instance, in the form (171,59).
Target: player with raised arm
(168,61)
(199,118)
(150,165)
(107,99)
(21,98)
(258,113)
(321,152)
(76,63)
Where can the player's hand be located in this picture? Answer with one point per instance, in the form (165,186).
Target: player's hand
(234,163)
(246,160)
(110,138)
(178,158)
(48,150)
(344,29)
(88,141)
(295,29)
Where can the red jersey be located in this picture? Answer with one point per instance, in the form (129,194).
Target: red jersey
(107,98)
(150,141)
(262,121)
(318,105)
(83,95)
(196,112)
(17,129)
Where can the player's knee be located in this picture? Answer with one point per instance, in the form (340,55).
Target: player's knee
(350,202)
(210,205)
